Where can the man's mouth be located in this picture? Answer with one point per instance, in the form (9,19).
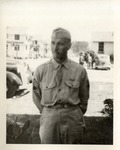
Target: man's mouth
(57,53)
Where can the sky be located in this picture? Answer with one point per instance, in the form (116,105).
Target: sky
(80,17)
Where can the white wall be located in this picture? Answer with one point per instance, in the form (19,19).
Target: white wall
(103,36)
(11,51)
(109,48)
(23,38)
(94,47)
(11,37)
(23,52)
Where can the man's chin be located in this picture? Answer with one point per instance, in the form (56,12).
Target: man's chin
(59,59)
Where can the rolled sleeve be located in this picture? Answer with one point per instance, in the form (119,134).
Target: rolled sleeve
(84,92)
(36,91)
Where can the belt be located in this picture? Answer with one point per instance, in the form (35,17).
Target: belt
(59,106)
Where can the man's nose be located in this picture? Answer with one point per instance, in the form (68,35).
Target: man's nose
(56,47)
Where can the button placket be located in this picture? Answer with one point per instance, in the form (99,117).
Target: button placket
(59,75)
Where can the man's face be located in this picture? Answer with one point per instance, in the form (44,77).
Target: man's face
(59,48)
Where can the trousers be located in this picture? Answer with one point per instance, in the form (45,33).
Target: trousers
(61,125)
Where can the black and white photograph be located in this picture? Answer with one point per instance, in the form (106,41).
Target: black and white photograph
(59,72)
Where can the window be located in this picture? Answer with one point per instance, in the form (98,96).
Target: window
(101,47)
(35,42)
(17,36)
(6,46)
(17,47)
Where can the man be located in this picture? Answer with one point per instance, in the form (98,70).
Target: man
(61,92)
(81,59)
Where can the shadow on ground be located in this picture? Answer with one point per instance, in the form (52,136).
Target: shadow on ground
(24,129)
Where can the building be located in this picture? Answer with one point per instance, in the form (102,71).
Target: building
(20,44)
(17,42)
(102,42)
(39,47)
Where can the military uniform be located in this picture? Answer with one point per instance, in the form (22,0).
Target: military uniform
(61,105)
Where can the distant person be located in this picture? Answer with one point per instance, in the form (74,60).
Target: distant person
(81,59)
(61,93)
(89,61)
(93,62)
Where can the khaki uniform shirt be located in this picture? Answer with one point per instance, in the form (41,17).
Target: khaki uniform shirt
(73,90)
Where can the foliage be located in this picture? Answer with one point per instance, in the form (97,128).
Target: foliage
(98,130)
(78,46)
(23,129)
(108,108)
(91,53)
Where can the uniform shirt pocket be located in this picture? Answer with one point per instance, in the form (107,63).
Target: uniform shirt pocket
(73,89)
(72,84)
(49,86)
(48,93)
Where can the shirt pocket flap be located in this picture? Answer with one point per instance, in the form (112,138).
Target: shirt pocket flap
(49,86)
(72,84)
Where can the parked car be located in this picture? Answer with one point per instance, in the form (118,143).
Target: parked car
(17,77)
(103,62)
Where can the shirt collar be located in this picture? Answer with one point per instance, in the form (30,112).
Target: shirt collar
(56,64)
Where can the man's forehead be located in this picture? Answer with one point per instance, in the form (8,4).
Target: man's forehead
(59,39)
(61,33)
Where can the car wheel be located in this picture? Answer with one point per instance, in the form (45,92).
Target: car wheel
(96,68)
(107,68)
(11,89)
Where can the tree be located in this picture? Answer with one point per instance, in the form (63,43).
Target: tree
(92,54)
(79,46)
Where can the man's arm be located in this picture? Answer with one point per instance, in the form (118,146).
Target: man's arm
(36,91)
(84,92)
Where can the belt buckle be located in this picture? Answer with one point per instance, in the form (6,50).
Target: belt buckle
(62,106)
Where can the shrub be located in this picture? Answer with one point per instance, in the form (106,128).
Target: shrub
(108,108)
